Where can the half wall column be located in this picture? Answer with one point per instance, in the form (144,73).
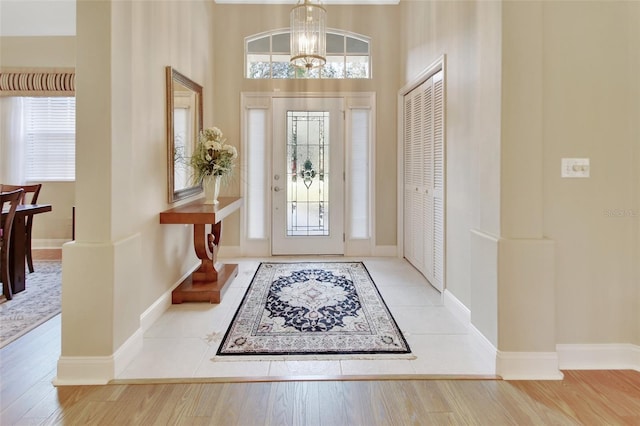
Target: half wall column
(99,306)
(526,278)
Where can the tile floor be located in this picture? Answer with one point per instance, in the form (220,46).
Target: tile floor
(183,341)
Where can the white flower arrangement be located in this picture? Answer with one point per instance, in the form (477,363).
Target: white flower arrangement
(213,156)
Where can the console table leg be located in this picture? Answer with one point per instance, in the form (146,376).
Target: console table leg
(206,247)
(206,283)
(210,292)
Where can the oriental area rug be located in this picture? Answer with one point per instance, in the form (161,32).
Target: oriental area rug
(312,309)
(39,302)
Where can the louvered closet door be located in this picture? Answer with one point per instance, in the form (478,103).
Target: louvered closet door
(424,179)
(417,155)
(438,181)
(414,180)
(408,178)
(426,121)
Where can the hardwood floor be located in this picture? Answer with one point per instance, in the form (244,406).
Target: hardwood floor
(27,397)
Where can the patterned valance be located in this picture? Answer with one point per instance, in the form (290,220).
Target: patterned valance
(37,82)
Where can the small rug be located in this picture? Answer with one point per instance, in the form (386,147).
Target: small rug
(39,302)
(324,308)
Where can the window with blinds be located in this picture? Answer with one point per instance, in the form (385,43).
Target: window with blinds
(256,174)
(358,169)
(50,134)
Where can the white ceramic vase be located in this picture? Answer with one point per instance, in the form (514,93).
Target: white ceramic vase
(211,186)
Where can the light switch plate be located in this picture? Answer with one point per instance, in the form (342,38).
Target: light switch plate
(575,168)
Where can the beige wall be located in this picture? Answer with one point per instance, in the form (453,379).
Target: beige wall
(468,33)
(570,89)
(232,23)
(563,78)
(591,108)
(38,51)
(634,92)
(51,229)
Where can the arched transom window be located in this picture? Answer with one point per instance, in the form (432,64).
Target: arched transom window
(267,56)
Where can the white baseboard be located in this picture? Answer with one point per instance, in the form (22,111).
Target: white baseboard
(97,370)
(463,314)
(484,344)
(616,356)
(385,251)
(509,365)
(232,252)
(127,352)
(100,370)
(48,243)
(157,308)
(547,365)
(91,370)
(456,307)
(528,366)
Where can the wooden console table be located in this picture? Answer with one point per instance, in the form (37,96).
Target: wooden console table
(206,283)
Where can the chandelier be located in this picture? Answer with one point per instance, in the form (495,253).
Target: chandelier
(308,35)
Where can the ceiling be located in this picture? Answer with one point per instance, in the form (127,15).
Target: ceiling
(37,17)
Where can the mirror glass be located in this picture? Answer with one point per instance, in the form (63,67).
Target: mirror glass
(184,124)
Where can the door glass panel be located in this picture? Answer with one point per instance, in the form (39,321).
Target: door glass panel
(307,173)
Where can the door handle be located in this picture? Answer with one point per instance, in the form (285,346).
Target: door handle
(276,188)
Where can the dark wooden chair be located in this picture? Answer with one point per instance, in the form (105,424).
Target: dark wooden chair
(34,190)
(11,199)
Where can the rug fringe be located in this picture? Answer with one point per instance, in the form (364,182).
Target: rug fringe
(315,357)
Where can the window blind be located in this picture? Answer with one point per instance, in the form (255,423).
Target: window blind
(359,174)
(257,176)
(50,124)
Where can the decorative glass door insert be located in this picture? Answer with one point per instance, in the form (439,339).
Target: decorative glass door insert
(308,174)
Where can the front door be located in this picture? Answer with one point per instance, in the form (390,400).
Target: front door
(308,176)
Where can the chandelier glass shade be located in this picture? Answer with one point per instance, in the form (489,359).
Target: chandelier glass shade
(308,35)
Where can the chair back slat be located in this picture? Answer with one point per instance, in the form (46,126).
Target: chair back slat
(34,190)
(12,198)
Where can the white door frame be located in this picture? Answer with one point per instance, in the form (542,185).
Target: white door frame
(260,104)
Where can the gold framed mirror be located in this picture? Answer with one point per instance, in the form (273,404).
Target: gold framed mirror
(184,124)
